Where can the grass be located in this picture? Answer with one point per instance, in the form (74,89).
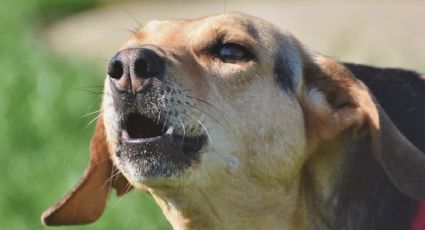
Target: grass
(43,134)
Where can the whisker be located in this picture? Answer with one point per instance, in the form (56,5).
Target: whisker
(114,174)
(165,123)
(102,161)
(166,117)
(218,111)
(94,112)
(91,86)
(139,24)
(157,111)
(229,126)
(93,120)
(132,31)
(215,119)
(201,100)
(183,127)
(109,180)
(127,188)
(90,91)
(203,126)
(208,136)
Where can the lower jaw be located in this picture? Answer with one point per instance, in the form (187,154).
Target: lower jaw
(154,161)
(158,182)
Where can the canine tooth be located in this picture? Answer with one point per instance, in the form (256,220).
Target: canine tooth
(170,130)
(125,135)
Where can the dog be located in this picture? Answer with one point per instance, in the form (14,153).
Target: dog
(230,123)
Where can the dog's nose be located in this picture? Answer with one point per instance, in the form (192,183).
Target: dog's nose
(132,69)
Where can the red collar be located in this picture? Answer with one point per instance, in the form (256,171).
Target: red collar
(419,221)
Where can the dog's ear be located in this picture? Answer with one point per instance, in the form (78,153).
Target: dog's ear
(337,102)
(86,201)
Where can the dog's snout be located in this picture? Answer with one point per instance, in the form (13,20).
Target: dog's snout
(132,69)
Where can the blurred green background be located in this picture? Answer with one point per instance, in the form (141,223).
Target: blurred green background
(43,134)
(53,59)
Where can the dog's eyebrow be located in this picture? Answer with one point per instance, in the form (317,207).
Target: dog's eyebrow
(283,73)
(252,31)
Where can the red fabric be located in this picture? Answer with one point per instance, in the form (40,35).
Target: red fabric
(419,221)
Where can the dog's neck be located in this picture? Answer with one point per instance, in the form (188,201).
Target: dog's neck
(305,202)
(233,206)
(339,188)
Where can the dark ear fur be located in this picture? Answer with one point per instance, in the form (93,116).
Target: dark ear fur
(402,161)
(349,106)
(86,201)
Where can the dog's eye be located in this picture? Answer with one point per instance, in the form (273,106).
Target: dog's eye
(232,52)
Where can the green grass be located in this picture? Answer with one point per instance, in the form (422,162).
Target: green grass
(43,135)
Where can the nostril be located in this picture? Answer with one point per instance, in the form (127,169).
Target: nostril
(148,64)
(115,69)
(141,68)
(130,69)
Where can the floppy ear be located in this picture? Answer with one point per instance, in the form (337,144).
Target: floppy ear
(336,102)
(402,161)
(86,201)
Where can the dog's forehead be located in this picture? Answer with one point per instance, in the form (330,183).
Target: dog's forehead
(184,31)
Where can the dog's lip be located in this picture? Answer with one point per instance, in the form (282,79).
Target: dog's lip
(190,145)
(125,137)
(139,129)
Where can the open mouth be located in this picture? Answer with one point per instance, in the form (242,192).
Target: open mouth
(140,129)
(148,149)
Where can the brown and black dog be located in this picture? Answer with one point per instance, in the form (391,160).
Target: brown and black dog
(230,123)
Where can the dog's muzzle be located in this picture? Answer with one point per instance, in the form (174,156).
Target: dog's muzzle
(149,145)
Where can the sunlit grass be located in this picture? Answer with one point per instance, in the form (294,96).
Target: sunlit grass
(43,135)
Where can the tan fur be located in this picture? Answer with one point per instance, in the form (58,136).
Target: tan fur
(232,88)
(261,138)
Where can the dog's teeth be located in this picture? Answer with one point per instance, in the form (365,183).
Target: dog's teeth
(125,135)
(170,130)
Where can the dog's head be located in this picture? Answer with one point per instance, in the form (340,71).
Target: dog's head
(224,99)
